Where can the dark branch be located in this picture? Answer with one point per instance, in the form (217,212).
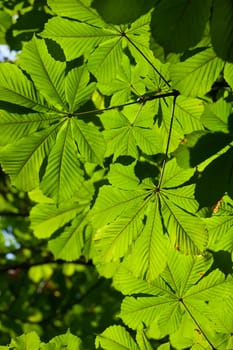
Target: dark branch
(27,264)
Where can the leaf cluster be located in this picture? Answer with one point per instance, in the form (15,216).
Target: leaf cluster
(122,139)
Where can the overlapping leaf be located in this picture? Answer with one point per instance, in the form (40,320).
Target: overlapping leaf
(137,220)
(47,218)
(123,135)
(79,10)
(47,74)
(194,76)
(116,337)
(101,44)
(173,24)
(69,244)
(33,136)
(63,175)
(173,294)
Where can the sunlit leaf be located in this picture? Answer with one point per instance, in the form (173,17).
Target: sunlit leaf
(194,76)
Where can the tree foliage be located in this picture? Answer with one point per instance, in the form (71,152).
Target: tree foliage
(116,185)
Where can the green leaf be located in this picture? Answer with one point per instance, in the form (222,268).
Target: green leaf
(22,160)
(138,40)
(63,175)
(187,232)
(116,338)
(105,61)
(47,74)
(67,340)
(47,218)
(216,116)
(220,231)
(112,202)
(123,135)
(123,176)
(26,342)
(175,293)
(5,20)
(215,181)
(90,141)
(69,244)
(228,73)
(142,341)
(13,127)
(77,89)
(149,254)
(173,25)
(119,12)
(198,146)
(113,240)
(188,112)
(75,38)
(127,80)
(77,9)
(221,29)
(17,89)
(195,76)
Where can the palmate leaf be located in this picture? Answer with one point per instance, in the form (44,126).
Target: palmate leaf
(31,134)
(103,45)
(123,136)
(195,76)
(134,222)
(128,80)
(173,294)
(47,74)
(63,175)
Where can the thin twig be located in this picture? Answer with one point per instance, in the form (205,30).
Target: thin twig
(140,99)
(198,325)
(148,61)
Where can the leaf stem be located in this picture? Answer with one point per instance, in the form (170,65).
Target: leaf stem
(168,140)
(148,61)
(141,99)
(198,325)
